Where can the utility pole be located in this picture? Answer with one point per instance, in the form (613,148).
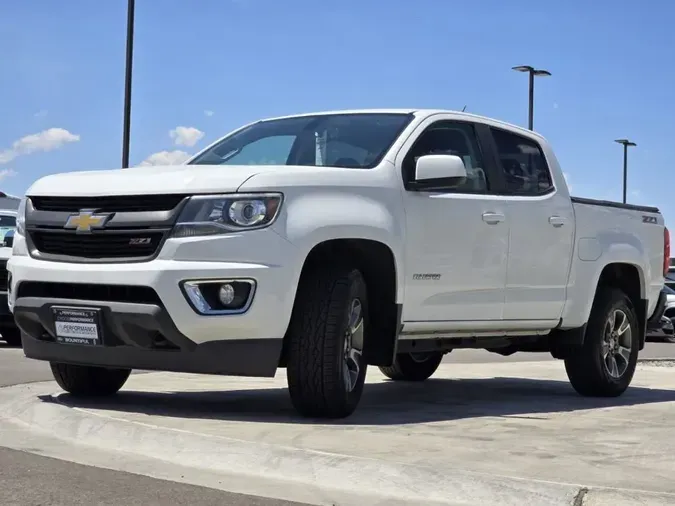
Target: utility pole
(625,143)
(532,73)
(127,84)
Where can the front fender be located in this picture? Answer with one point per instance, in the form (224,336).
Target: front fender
(310,219)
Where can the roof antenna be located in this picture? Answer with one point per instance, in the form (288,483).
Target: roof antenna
(463,108)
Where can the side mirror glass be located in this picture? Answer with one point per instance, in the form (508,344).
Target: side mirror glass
(440,170)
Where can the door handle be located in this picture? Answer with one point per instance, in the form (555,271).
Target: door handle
(493,218)
(556,221)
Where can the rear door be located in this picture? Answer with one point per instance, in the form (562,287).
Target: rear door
(541,232)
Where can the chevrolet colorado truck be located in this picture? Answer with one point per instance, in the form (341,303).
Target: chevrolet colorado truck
(325,243)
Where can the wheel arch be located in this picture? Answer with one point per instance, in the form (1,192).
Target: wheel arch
(378,264)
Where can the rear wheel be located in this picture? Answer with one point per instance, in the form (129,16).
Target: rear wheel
(88,381)
(326,369)
(604,366)
(413,366)
(11,335)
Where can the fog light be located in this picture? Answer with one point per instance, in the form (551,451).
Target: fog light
(226,294)
(220,296)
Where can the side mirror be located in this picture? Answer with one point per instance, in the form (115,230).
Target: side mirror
(441,171)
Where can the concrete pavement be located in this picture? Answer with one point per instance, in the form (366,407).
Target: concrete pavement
(493,433)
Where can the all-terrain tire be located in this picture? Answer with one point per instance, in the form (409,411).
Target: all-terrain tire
(11,335)
(413,366)
(88,381)
(586,368)
(316,342)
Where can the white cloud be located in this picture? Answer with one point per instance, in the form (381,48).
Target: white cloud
(165,158)
(186,136)
(47,140)
(209,113)
(5,173)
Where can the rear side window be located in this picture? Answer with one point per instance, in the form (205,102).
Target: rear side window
(523,163)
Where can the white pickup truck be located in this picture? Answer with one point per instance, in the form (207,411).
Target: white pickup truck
(324,243)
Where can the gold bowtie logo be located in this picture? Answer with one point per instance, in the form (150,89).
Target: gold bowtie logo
(85,221)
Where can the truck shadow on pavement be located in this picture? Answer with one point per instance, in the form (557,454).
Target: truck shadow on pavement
(387,403)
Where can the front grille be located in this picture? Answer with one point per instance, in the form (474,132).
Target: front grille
(109,204)
(3,275)
(81,291)
(129,244)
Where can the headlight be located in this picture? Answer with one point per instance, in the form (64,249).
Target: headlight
(21,217)
(223,214)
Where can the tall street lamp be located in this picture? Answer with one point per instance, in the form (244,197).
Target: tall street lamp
(625,143)
(532,73)
(127,84)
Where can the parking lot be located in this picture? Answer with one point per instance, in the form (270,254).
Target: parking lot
(483,430)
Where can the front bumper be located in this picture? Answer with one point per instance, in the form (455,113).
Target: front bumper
(267,317)
(141,336)
(248,343)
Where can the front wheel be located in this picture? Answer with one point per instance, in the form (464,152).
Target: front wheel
(413,366)
(605,364)
(88,381)
(326,369)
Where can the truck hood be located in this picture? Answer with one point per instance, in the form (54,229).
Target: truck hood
(154,180)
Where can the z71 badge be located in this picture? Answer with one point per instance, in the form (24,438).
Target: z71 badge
(649,219)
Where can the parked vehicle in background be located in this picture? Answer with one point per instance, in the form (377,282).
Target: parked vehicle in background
(328,242)
(663,332)
(9,332)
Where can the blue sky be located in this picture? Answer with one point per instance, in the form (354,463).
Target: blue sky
(210,65)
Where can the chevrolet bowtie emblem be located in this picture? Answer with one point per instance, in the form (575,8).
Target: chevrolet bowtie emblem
(85,221)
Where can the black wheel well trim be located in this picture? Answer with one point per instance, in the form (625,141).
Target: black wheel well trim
(377,263)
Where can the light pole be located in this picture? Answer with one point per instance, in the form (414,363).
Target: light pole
(127,84)
(625,143)
(532,73)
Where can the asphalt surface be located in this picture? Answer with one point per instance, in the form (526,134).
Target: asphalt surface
(31,479)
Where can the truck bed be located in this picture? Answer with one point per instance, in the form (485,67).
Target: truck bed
(611,203)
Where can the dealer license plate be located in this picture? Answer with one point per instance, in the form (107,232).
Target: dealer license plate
(76,325)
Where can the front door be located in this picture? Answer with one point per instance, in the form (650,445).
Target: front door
(457,240)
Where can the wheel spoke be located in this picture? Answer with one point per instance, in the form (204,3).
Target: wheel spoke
(353,346)
(615,324)
(613,366)
(605,349)
(624,353)
(625,325)
(355,316)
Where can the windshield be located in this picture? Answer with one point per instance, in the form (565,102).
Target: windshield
(338,140)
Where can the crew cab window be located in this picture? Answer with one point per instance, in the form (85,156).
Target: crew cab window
(525,169)
(450,138)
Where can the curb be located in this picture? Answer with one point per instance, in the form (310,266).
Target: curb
(338,479)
